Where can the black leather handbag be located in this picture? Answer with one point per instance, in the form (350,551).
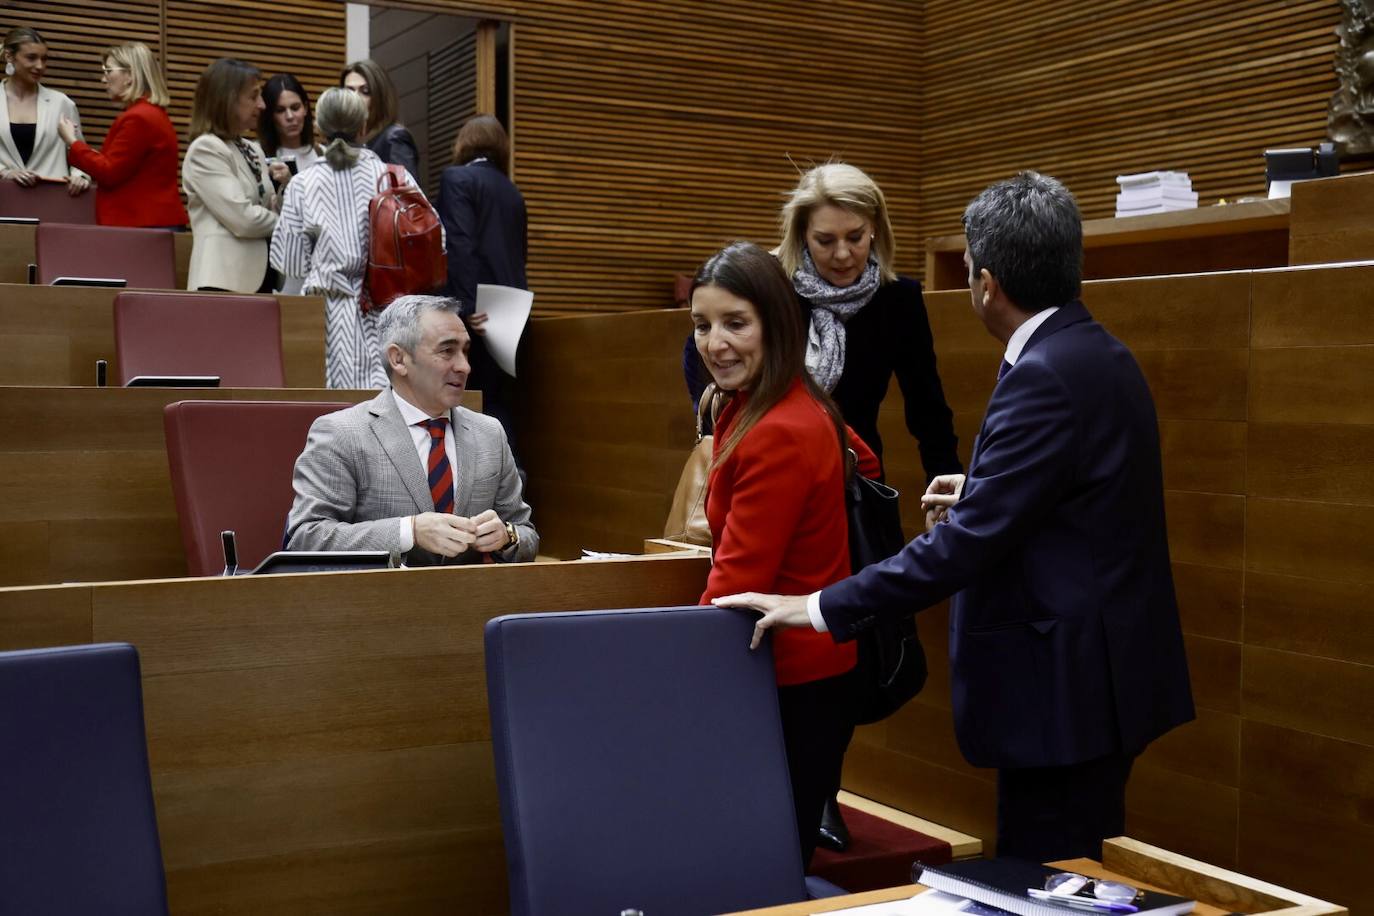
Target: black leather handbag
(892,664)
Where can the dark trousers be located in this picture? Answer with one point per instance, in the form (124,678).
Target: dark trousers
(817,723)
(1050,813)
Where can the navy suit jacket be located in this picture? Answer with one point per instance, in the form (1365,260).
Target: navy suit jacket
(1064,641)
(485,229)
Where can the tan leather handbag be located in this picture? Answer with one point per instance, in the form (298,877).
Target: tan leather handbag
(687,517)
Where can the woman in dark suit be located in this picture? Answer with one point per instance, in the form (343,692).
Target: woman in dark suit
(866,325)
(776,501)
(385,136)
(136,168)
(485,228)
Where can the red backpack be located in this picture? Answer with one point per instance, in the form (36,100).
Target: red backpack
(406,251)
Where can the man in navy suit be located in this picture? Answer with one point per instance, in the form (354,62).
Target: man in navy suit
(1066,654)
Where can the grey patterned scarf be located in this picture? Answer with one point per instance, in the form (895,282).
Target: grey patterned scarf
(832,306)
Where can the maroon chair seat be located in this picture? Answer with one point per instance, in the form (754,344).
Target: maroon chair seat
(880,854)
(231,465)
(47,201)
(143,258)
(235,337)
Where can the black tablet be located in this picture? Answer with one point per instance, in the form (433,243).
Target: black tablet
(308,561)
(90,281)
(173,381)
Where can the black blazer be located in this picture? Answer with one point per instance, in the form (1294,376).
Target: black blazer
(486,229)
(891,335)
(396,146)
(1064,636)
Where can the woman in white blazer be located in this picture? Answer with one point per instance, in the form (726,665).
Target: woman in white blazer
(227,182)
(30,148)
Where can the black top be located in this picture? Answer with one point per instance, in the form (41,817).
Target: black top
(24,136)
(892,335)
(396,146)
(485,228)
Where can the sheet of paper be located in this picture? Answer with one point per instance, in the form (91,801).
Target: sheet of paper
(508,310)
(926,903)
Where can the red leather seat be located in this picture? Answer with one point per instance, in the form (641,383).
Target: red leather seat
(231,465)
(47,201)
(143,258)
(235,337)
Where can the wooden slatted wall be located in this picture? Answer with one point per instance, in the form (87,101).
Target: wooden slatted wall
(1086,90)
(304,37)
(649,133)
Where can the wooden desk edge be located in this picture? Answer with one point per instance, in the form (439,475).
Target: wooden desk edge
(962,846)
(830,904)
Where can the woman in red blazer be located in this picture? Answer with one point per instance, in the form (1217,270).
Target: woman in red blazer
(775,501)
(136,168)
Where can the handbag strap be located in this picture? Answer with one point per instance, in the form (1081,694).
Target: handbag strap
(708,403)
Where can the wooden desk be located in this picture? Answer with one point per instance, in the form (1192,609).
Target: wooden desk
(53,335)
(1234,237)
(320,743)
(17,253)
(84,487)
(1216,890)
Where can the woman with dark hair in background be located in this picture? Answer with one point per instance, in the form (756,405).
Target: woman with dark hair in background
(136,167)
(775,501)
(487,242)
(323,237)
(286,127)
(30,148)
(384,135)
(228,188)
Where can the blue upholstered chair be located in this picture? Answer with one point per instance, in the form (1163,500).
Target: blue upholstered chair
(78,833)
(640,763)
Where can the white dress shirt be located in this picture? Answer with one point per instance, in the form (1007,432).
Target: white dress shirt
(1019,338)
(412,415)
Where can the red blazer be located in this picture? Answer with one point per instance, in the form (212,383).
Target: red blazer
(136,169)
(778,525)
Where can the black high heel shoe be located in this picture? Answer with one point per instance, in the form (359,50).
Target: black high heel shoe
(833,833)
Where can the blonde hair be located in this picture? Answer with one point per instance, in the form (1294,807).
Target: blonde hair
(842,185)
(341,115)
(136,57)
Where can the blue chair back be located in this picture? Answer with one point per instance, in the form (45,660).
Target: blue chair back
(78,833)
(640,763)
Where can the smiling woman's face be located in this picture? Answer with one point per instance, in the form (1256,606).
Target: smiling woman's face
(729,337)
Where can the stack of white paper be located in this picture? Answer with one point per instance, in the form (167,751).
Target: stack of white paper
(1154,192)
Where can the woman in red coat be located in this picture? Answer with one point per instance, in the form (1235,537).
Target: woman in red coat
(136,168)
(775,501)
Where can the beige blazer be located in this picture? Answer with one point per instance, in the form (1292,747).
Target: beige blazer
(232,215)
(49,157)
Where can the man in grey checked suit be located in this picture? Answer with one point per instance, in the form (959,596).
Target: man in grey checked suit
(361,483)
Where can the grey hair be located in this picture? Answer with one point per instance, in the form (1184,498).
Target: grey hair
(341,114)
(399,323)
(1027,232)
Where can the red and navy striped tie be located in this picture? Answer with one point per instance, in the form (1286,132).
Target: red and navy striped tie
(440,473)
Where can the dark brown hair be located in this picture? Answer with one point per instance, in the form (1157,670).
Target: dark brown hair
(747,271)
(482,135)
(384,108)
(216,93)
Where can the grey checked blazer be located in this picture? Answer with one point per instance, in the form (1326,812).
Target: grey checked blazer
(360,473)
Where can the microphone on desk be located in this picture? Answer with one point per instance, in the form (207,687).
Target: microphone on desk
(102,369)
(231,553)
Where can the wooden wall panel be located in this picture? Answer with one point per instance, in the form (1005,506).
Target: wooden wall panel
(1199,85)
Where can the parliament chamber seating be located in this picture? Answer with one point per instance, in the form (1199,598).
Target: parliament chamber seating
(143,258)
(640,762)
(237,338)
(47,201)
(231,464)
(79,833)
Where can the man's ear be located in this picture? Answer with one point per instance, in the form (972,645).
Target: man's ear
(395,357)
(991,288)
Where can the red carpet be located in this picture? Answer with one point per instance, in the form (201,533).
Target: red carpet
(880,854)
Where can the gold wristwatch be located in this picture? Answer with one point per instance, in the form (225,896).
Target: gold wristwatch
(512,537)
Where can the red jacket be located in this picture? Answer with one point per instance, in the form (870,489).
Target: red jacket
(135,170)
(778,525)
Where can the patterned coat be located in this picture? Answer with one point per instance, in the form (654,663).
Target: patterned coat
(322,235)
